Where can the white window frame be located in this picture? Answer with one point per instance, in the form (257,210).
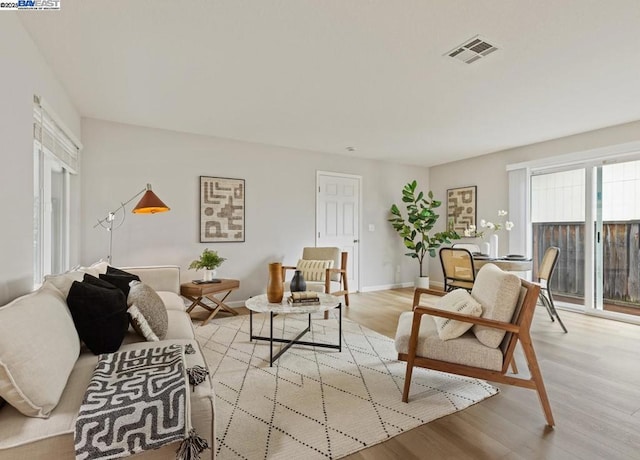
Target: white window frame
(589,160)
(54,149)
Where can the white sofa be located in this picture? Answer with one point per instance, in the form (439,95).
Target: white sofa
(52,437)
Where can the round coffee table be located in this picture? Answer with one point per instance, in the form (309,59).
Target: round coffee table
(260,304)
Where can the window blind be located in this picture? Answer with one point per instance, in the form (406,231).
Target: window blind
(53,137)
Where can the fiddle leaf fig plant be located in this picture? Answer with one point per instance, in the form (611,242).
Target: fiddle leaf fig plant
(209,260)
(415,228)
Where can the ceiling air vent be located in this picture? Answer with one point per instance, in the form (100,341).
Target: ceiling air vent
(472,50)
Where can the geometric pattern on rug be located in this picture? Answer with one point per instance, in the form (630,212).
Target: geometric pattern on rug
(317,403)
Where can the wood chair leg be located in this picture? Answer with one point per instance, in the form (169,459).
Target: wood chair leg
(346,289)
(407,382)
(343,276)
(536,377)
(514,367)
(411,355)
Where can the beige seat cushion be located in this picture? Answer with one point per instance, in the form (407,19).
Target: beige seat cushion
(498,292)
(466,349)
(172,301)
(37,357)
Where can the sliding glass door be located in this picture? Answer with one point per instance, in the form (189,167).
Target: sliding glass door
(592,213)
(617,230)
(558,219)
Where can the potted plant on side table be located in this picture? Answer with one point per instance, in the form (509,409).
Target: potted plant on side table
(416,227)
(209,261)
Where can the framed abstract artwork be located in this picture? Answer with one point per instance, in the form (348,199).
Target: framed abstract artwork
(221,210)
(461,208)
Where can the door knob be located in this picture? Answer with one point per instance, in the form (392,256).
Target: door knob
(355,241)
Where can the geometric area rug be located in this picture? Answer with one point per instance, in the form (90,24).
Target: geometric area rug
(318,403)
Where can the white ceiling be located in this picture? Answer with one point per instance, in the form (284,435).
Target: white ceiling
(326,75)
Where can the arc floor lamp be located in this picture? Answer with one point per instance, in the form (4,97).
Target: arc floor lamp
(148,204)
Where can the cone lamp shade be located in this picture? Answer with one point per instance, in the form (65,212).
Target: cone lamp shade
(150,203)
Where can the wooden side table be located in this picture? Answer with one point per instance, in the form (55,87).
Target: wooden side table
(195,293)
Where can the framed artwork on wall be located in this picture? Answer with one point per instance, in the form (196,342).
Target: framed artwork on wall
(221,210)
(461,208)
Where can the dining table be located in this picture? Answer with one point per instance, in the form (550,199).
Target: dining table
(507,263)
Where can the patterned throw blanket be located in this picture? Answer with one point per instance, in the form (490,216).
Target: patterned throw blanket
(138,400)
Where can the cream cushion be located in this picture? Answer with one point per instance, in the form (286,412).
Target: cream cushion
(171,300)
(498,292)
(457,301)
(314,270)
(64,281)
(466,349)
(36,359)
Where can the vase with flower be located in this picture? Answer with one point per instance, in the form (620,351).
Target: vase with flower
(495,227)
(490,247)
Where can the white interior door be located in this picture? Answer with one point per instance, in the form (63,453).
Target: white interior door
(338,218)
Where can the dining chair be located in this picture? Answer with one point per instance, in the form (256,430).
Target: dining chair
(457,268)
(545,274)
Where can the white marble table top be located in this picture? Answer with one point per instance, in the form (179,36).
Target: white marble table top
(260,304)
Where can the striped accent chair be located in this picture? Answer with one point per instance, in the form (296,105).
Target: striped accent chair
(324,269)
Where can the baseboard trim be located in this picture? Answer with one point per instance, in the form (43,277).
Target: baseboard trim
(384,287)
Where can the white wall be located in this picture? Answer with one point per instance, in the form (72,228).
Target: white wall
(488,172)
(24,73)
(118,160)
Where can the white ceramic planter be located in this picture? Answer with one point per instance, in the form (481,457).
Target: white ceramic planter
(422,282)
(208,275)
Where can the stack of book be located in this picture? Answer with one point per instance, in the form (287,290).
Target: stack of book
(304,298)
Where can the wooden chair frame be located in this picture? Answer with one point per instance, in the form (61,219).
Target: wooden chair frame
(518,330)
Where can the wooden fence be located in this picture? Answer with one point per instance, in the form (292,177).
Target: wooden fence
(621,258)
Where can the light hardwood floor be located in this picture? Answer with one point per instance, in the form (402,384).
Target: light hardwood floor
(592,375)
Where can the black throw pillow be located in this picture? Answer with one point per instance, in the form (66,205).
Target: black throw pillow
(99,312)
(116,271)
(119,278)
(88,278)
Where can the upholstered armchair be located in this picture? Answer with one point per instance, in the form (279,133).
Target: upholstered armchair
(324,270)
(474,334)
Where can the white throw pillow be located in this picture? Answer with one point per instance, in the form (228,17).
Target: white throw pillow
(314,270)
(64,281)
(458,301)
(39,346)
